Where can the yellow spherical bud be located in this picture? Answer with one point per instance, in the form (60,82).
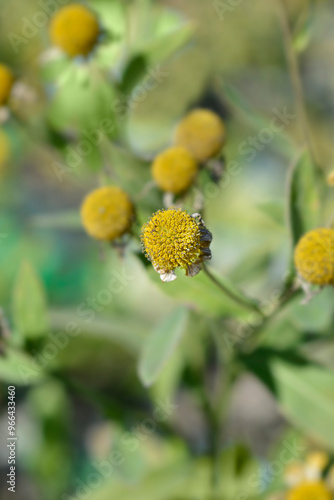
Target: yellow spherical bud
(310,491)
(172,238)
(314,257)
(174,170)
(202,133)
(107,213)
(6,83)
(75,30)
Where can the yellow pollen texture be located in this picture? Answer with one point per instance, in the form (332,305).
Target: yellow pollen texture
(107,213)
(6,83)
(74,29)
(314,257)
(310,491)
(174,170)
(171,239)
(202,133)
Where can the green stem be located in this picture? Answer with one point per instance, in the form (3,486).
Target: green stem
(296,82)
(239,299)
(257,335)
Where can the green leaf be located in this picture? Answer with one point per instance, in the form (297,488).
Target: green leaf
(112,14)
(303,391)
(303,197)
(161,344)
(317,315)
(306,396)
(84,100)
(29,304)
(18,368)
(162,48)
(203,293)
(133,72)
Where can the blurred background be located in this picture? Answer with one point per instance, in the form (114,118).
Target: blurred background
(81,401)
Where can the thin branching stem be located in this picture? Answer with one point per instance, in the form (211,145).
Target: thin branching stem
(296,82)
(241,300)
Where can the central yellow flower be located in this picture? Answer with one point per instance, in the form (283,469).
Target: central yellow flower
(6,83)
(310,491)
(74,29)
(314,257)
(172,238)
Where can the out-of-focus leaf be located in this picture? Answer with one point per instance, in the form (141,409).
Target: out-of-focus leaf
(203,293)
(29,304)
(134,71)
(19,368)
(161,344)
(158,485)
(69,219)
(274,209)
(165,46)
(306,396)
(112,14)
(125,332)
(304,392)
(281,141)
(317,315)
(303,197)
(84,100)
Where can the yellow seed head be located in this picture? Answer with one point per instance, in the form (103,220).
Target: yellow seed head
(172,238)
(107,213)
(174,170)
(310,491)
(314,257)
(6,83)
(202,133)
(74,29)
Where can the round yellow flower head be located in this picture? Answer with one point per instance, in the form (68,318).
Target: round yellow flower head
(202,133)
(172,238)
(314,257)
(310,491)
(174,170)
(6,83)
(74,29)
(107,213)
(4,149)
